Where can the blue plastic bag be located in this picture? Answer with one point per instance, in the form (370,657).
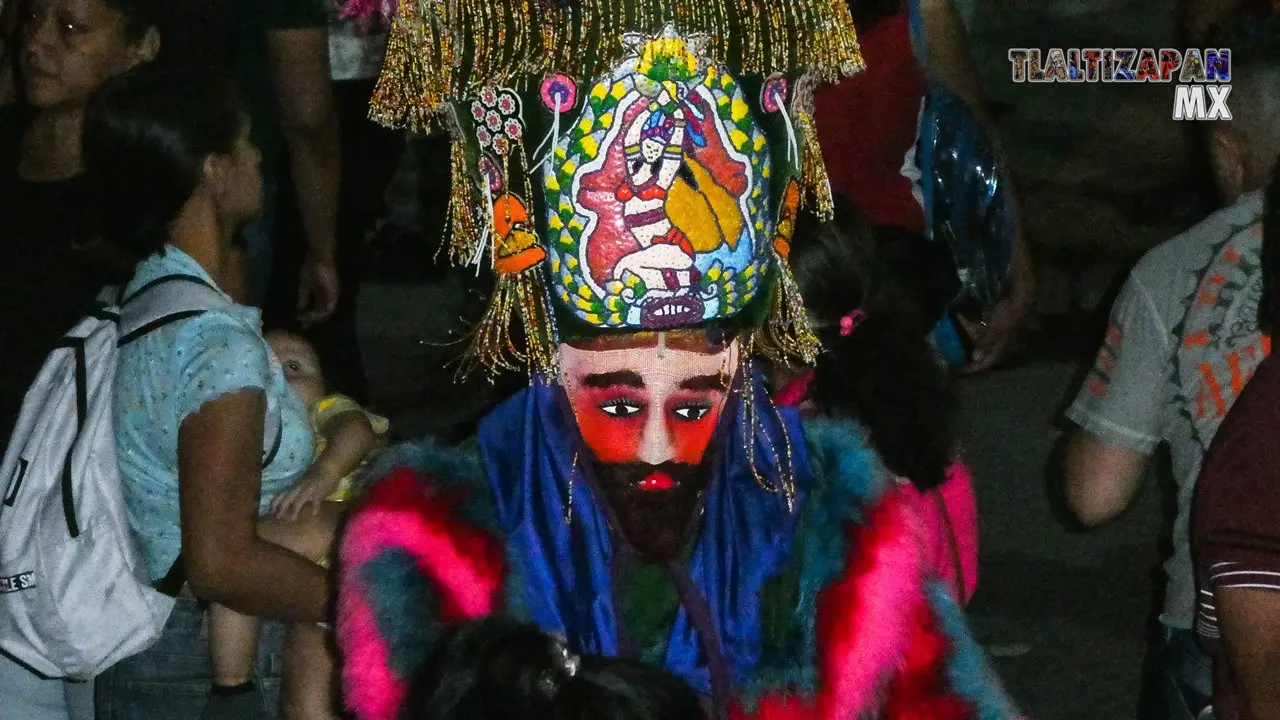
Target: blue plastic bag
(965,203)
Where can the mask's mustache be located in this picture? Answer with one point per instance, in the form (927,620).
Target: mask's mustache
(648,478)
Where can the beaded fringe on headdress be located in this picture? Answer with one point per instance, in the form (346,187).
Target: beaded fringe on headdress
(440,50)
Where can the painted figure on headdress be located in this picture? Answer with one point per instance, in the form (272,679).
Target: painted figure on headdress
(643,496)
(656,194)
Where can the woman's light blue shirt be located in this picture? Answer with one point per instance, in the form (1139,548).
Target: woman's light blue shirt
(170,373)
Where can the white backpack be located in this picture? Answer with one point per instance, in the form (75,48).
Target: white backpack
(74,593)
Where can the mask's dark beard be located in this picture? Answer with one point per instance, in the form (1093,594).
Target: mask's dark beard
(653,521)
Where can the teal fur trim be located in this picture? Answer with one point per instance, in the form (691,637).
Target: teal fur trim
(971,675)
(839,449)
(405,607)
(848,477)
(457,467)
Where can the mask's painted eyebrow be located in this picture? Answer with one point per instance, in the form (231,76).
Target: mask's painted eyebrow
(626,378)
(703,382)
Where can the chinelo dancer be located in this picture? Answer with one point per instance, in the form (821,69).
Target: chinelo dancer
(643,497)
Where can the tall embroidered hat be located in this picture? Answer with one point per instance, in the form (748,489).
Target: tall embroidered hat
(622,165)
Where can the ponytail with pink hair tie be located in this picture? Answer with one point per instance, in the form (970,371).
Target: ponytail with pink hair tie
(851,321)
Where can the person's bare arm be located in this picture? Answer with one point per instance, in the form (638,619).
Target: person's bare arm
(351,438)
(950,64)
(219,480)
(1247,618)
(1101,480)
(309,119)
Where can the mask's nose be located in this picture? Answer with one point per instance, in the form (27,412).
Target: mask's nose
(655,441)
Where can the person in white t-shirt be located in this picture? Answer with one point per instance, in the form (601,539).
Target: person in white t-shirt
(1183,341)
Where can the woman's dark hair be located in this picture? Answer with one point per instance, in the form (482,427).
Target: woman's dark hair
(885,373)
(499,669)
(142,15)
(147,134)
(1269,305)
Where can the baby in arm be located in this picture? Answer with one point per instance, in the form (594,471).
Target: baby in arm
(346,437)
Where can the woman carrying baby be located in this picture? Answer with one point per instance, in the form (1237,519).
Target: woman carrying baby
(208,430)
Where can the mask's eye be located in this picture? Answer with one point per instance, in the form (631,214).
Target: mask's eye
(620,408)
(692,412)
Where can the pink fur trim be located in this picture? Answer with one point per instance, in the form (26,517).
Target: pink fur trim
(957,493)
(864,619)
(954,498)
(464,565)
(370,689)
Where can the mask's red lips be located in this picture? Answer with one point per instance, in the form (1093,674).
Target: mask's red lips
(656,482)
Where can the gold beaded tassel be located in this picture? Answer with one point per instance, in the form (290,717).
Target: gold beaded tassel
(526,38)
(520,289)
(539,320)
(440,50)
(816,186)
(752,430)
(541,334)
(397,99)
(834,49)
(462,227)
(443,86)
(491,345)
(786,335)
(752,47)
(683,14)
(551,27)
(779,37)
(519,261)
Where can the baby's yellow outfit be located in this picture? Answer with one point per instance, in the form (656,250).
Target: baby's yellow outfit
(325,410)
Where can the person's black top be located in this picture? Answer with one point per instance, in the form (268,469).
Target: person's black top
(45,286)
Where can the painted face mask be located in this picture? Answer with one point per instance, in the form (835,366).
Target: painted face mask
(647,407)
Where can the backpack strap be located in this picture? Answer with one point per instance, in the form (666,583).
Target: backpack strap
(272,429)
(164,301)
(167,300)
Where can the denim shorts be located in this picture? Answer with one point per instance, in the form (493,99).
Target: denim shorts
(171,679)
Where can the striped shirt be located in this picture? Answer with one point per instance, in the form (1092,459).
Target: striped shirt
(1235,531)
(1226,575)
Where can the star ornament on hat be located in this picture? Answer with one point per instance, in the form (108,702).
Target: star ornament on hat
(624,166)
